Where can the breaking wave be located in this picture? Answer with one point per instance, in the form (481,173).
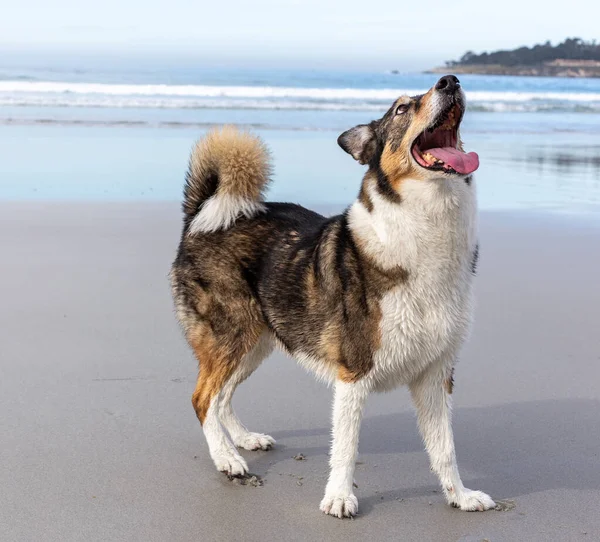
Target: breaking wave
(160,96)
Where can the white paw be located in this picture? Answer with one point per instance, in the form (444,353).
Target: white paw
(340,505)
(471,501)
(254,441)
(231,463)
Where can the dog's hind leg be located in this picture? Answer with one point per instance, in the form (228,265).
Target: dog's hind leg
(431,393)
(240,436)
(219,361)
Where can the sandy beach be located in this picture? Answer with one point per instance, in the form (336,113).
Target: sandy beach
(100,442)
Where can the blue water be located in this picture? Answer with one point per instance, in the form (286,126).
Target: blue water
(125,131)
(178,88)
(182,73)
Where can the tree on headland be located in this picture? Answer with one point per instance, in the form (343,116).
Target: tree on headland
(570,49)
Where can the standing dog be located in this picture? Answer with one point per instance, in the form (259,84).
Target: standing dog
(369,300)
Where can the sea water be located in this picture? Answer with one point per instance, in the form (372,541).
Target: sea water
(113,133)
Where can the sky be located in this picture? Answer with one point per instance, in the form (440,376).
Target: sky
(360,34)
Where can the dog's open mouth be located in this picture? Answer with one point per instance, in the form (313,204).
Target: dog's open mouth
(436,148)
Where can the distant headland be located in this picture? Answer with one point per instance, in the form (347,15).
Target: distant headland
(573,57)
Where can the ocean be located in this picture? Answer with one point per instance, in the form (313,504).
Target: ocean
(125,132)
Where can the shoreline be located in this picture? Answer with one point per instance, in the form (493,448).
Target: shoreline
(542,170)
(523,217)
(544,70)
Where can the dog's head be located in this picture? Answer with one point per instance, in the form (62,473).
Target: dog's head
(417,138)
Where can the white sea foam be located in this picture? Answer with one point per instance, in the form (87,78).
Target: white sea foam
(180,103)
(65,94)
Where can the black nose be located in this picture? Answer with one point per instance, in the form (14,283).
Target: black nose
(448,84)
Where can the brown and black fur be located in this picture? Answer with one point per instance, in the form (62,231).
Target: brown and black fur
(290,271)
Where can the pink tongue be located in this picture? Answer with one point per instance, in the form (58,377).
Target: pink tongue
(459,161)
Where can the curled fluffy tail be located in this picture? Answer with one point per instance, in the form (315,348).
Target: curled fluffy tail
(227,174)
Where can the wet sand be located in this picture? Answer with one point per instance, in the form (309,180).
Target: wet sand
(100,442)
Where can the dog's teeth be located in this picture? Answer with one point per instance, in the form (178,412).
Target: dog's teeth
(430,158)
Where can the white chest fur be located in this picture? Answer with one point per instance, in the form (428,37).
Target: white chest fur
(432,235)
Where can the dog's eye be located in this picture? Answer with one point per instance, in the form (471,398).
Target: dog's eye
(402,108)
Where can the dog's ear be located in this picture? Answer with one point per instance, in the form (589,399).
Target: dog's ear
(360,142)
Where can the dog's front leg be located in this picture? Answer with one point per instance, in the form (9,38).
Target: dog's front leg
(348,404)
(431,393)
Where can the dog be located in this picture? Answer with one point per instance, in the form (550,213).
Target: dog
(369,300)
